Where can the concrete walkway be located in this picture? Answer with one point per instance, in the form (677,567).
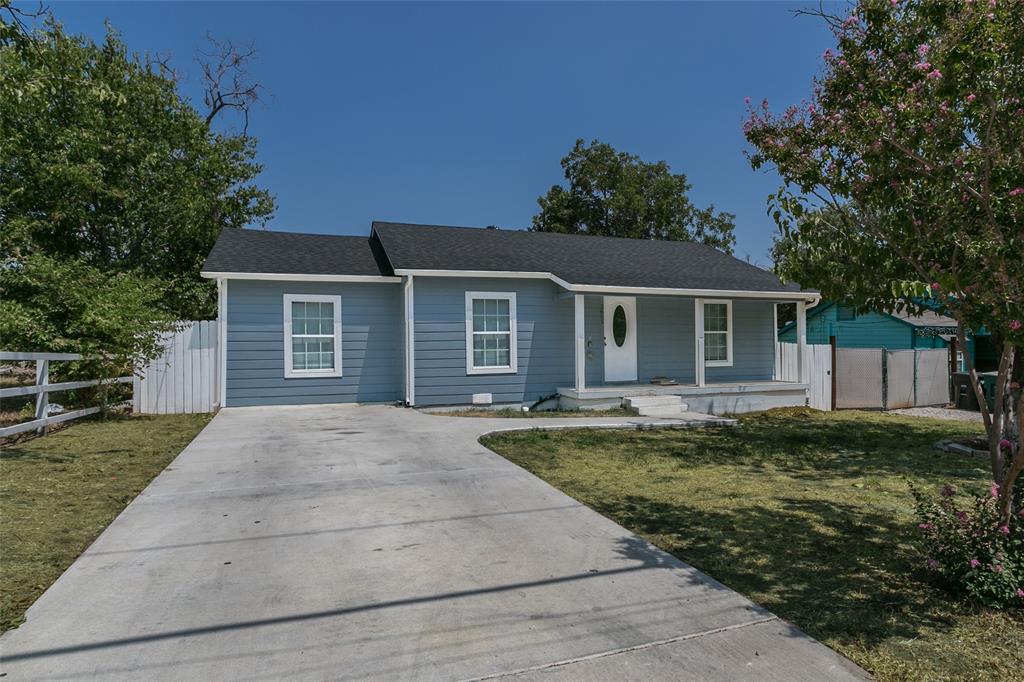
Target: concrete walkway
(338,543)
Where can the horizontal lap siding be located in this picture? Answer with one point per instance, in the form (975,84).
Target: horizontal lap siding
(753,344)
(665,339)
(819,327)
(544,342)
(866,330)
(371,345)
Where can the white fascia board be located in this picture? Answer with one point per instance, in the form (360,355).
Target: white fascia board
(504,274)
(696,293)
(380,279)
(607,289)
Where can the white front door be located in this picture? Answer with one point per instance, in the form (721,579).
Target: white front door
(619,338)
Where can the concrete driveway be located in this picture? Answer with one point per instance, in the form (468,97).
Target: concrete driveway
(336,543)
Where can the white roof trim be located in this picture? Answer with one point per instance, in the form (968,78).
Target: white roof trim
(300,278)
(511,274)
(606,289)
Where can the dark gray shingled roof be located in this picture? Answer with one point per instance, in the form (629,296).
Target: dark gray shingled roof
(577,259)
(291,253)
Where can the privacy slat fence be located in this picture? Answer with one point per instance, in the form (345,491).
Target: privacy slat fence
(185,378)
(43,388)
(880,379)
(819,371)
(868,378)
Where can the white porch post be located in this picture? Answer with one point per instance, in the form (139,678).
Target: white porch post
(222,342)
(581,342)
(801,341)
(410,341)
(698,332)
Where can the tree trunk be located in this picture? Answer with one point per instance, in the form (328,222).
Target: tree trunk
(1016,466)
(996,422)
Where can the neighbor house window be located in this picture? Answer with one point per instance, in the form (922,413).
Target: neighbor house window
(490,332)
(847,312)
(312,336)
(718,333)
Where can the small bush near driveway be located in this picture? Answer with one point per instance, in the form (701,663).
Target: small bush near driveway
(58,492)
(808,513)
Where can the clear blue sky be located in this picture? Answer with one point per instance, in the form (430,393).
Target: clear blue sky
(459,113)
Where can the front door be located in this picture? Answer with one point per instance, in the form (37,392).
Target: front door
(619,338)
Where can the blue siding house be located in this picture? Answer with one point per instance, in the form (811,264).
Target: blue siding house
(895,331)
(447,316)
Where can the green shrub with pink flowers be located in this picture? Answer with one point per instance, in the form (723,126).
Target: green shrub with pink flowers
(970,550)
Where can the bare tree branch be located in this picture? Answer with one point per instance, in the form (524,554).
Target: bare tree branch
(162,64)
(227,81)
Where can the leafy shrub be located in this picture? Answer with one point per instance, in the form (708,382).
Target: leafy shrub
(970,551)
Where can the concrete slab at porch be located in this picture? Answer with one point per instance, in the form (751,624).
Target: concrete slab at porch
(721,398)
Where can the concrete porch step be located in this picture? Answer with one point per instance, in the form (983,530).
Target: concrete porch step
(656,405)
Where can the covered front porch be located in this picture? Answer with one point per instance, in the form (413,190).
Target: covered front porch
(716,354)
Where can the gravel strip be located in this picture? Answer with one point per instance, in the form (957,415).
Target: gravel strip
(940,413)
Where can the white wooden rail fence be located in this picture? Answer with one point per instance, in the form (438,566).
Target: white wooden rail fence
(43,388)
(185,379)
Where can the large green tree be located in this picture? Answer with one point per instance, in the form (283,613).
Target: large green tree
(103,162)
(904,178)
(617,194)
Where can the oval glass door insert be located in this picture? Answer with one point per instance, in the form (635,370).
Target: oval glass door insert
(619,325)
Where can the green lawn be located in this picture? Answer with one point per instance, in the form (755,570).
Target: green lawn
(57,493)
(807,513)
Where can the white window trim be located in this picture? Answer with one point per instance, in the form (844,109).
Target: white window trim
(289,371)
(728,334)
(509,296)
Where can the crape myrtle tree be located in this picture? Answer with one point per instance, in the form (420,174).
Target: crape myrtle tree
(904,179)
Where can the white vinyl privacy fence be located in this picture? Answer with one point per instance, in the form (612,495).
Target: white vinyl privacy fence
(819,371)
(185,379)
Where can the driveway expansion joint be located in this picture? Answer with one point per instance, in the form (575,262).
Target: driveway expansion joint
(622,650)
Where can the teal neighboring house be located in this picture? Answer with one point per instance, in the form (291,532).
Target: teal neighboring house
(893,331)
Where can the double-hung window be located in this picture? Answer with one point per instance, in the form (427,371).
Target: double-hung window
(490,332)
(312,336)
(718,333)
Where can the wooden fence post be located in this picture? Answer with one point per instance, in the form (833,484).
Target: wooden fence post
(885,379)
(953,368)
(832,343)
